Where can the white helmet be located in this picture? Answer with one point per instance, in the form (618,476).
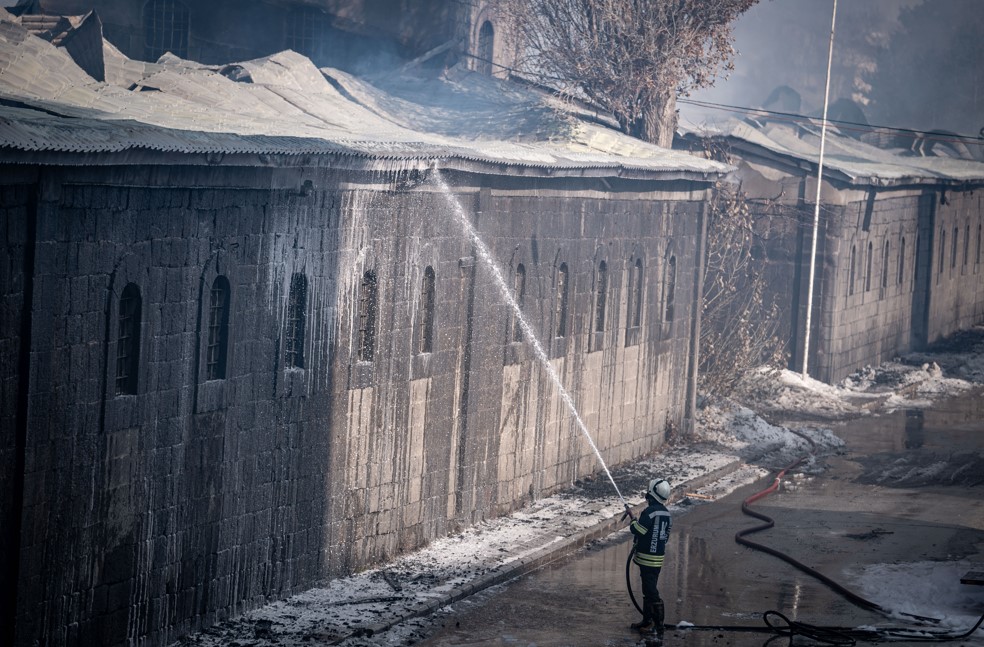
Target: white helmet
(659,489)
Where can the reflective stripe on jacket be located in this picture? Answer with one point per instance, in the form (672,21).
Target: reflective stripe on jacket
(651,531)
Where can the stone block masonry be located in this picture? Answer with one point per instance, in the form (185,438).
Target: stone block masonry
(898,268)
(903,271)
(234,388)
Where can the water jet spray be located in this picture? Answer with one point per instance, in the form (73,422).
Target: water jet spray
(528,332)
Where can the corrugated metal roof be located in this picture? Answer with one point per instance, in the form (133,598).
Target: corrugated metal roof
(47,103)
(846,158)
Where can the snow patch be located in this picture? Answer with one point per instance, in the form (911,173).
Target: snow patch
(930,589)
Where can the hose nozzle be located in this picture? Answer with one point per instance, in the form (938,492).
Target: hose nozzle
(627,513)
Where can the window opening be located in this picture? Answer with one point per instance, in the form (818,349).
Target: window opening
(165,29)
(915,263)
(296,313)
(601,296)
(885,254)
(128,341)
(425,340)
(562,291)
(850,280)
(966,244)
(635,295)
(867,268)
(901,274)
(669,289)
(367,317)
(486,48)
(519,293)
(953,249)
(978,261)
(304,29)
(218,329)
(942,249)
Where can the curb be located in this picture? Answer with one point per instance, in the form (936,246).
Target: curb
(535,561)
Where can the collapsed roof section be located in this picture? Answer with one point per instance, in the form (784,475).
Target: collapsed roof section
(283,107)
(847,160)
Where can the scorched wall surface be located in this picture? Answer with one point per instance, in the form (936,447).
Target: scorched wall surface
(284,420)
(867,314)
(905,273)
(956,287)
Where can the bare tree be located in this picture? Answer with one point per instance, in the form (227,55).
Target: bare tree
(631,57)
(741,320)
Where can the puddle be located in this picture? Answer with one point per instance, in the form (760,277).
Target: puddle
(939,446)
(954,424)
(836,523)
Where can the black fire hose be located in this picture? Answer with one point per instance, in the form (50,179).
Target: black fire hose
(837,636)
(628,579)
(849,595)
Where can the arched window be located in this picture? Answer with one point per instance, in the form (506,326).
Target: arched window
(850,280)
(966,244)
(296,315)
(942,248)
(304,28)
(953,248)
(884,281)
(519,293)
(901,273)
(128,341)
(218,329)
(165,28)
(367,317)
(669,288)
(601,296)
(634,313)
(425,336)
(561,300)
(486,48)
(915,264)
(867,268)
(978,245)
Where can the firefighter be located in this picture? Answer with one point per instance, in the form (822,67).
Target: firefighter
(651,530)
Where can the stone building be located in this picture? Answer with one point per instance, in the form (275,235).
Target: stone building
(248,344)
(899,244)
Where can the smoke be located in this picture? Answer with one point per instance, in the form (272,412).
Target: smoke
(886,53)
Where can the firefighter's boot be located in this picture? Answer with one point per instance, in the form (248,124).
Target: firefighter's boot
(658,614)
(646,625)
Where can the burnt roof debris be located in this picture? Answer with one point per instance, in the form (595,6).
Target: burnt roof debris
(876,158)
(284,105)
(80,36)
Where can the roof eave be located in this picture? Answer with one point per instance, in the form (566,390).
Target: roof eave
(350,160)
(805,166)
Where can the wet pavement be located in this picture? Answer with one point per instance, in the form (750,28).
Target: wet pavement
(898,509)
(907,492)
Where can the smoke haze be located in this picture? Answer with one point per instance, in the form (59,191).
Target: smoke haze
(904,63)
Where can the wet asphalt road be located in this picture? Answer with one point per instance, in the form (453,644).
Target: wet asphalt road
(854,514)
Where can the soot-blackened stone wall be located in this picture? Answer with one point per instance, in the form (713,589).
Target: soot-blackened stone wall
(150,513)
(424,442)
(956,299)
(907,286)
(888,278)
(158,505)
(628,378)
(866,317)
(18,191)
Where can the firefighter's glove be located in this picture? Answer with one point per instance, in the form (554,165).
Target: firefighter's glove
(628,513)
